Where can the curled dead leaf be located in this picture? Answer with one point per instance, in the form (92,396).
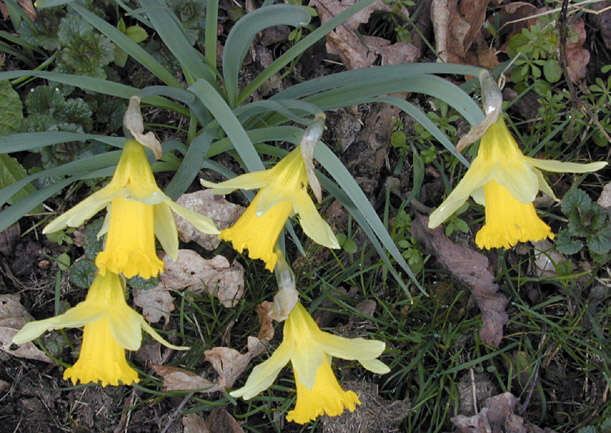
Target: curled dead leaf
(215,276)
(156,303)
(177,379)
(470,267)
(12,318)
(206,203)
(577,57)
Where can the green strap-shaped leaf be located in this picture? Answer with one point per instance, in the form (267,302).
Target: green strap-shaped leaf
(286,108)
(372,76)
(347,183)
(97,85)
(36,140)
(273,133)
(190,165)
(184,96)
(244,31)
(167,26)
(229,122)
(127,45)
(210,35)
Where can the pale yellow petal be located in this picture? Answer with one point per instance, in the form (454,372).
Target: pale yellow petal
(75,317)
(375,366)
(477,175)
(306,359)
(544,186)
(80,213)
(201,222)
(165,229)
(519,179)
(158,338)
(254,180)
(125,327)
(350,348)
(264,374)
(565,167)
(314,226)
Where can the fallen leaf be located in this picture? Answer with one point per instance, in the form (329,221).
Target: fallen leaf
(605,197)
(12,318)
(221,421)
(155,303)
(193,423)
(546,258)
(373,415)
(149,353)
(577,57)
(264,313)
(204,202)
(470,267)
(178,379)
(8,239)
(228,363)
(343,41)
(215,276)
(392,54)
(496,415)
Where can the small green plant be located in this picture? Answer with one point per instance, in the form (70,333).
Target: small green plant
(587,222)
(401,233)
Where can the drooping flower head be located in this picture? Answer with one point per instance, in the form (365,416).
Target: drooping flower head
(310,351)
(506,182)
(138,211)
(284,192)
(110,327)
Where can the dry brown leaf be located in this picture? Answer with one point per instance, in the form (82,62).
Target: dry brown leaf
(149,353)
(155,303)
(221,421)
(343,41)
(193,423)
(392,54)
(8,239)
(264,313)
(204,202)
(178,379)
(605,197)
(12,318)
(496,415)
(577,57)
(228,363)
(546,258)
(470,267)
(373,415)
(216,276)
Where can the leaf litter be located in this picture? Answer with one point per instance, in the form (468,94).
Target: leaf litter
(470,267)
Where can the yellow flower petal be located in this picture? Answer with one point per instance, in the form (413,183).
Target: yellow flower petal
(101,358)
(565,167)
(264,374)
(259,234)
(201,222)
(130,242)
(375,366)
(509,221)
(350,348)
(165,229)
(325,398)
(254,180)
(313,225)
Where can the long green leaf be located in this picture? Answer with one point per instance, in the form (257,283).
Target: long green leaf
(273,133)
(287,108)
(300,47)
(417,114)
(244,31)
(36,140)
(372,76)
(184,96)
(74,168)
(97,85)
(127,45)
(210,36)
(428,84)
(229,122)
(166,24)
(190,165)
(347,183)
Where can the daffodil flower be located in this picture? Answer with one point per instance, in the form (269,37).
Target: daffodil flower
(110,327)
(310,351)
(506,182)
(138,211)
(283,193)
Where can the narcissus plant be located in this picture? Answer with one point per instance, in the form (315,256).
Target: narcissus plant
(310,351)
(110,328)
